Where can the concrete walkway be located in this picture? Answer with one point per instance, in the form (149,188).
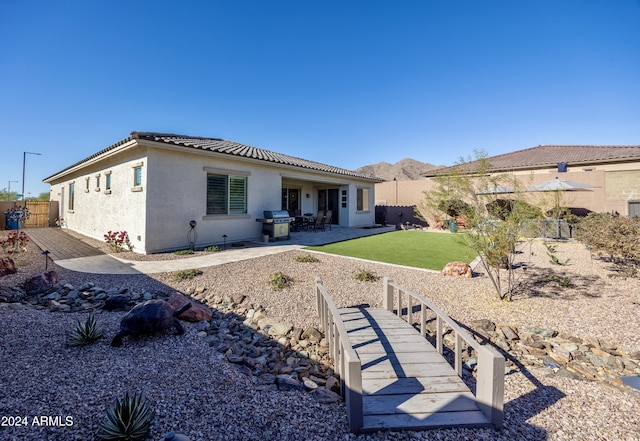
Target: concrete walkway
(76,255)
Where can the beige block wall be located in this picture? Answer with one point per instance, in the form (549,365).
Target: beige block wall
(617,184)
(402,193)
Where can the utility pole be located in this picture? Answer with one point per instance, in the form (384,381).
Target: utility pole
(24,159)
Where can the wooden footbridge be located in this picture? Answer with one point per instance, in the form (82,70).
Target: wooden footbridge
(393,378)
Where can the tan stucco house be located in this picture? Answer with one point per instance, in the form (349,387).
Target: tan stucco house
(152,185)
(613,170)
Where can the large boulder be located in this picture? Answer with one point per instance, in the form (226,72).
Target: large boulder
(7,266)
(458,269)
(196,313)
(40,283)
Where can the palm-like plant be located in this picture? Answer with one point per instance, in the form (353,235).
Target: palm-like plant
(129,420)
(85,333)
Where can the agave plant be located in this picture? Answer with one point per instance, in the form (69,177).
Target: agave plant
(129,420)
(85,333)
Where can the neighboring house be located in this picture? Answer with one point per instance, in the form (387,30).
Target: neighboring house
(153,184)
(615,170)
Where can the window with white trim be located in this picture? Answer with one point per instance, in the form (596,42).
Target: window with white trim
(72,195)
(107,184)
(362,203)
(137,176)
(226,194)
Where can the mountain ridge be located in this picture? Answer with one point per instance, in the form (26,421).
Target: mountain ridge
(405,170)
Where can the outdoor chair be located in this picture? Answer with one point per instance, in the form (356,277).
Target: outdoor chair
(319,222)
(298,224)
(328,217)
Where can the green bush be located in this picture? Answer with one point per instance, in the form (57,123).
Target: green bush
(212,249)
(611,235)
(307,258)
(563,281)
(551,252)
(366,276)
(280,281)
(183,252)
(187,274)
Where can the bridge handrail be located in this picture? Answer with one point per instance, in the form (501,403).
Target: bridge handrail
(490,379)
(346,361)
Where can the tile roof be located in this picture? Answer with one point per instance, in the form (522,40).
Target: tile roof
(545,156)
(230,148)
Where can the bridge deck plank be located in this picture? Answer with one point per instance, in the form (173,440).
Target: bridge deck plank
(406,383)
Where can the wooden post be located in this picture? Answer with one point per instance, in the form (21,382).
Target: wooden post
(423,320)
(387,294)
(458,355)
(322,311)
(439,334)
(353,395)
(490,385)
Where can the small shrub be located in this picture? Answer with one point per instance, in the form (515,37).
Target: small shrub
(116,240)
(15,242)
(212,249)
(366,276)
(611,235)
(85,333)
(237,245)
(130,420)
(280,281)
(551,250)
(563,281)
(183,252)
(307,258)
(187,274)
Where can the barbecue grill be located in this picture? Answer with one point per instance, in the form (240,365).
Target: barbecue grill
(275,224)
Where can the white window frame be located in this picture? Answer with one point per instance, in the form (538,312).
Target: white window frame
(107,183)
(229,174)
(137,176)
(72,196)
(362,199)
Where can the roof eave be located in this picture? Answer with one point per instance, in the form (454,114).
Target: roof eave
(96,157)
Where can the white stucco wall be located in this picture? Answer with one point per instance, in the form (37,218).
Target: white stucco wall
(156,215)
(177,191)
(97,210)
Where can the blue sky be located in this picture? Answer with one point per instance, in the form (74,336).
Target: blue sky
(347,83)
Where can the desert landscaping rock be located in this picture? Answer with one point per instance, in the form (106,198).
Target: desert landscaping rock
(227,375)
(7,266)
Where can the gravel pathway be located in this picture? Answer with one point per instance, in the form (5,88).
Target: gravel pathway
(196,392)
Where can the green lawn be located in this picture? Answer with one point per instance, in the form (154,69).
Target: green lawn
(405,247)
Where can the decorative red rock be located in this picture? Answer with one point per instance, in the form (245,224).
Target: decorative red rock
(459,269)
(197,313)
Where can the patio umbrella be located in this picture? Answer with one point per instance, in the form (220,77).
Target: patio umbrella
(562,185)
(496,189)
(559,185)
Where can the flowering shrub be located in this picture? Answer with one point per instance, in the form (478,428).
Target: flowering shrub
(15,242)
(117,239)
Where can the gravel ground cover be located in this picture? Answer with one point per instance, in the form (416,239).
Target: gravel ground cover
(196,392)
